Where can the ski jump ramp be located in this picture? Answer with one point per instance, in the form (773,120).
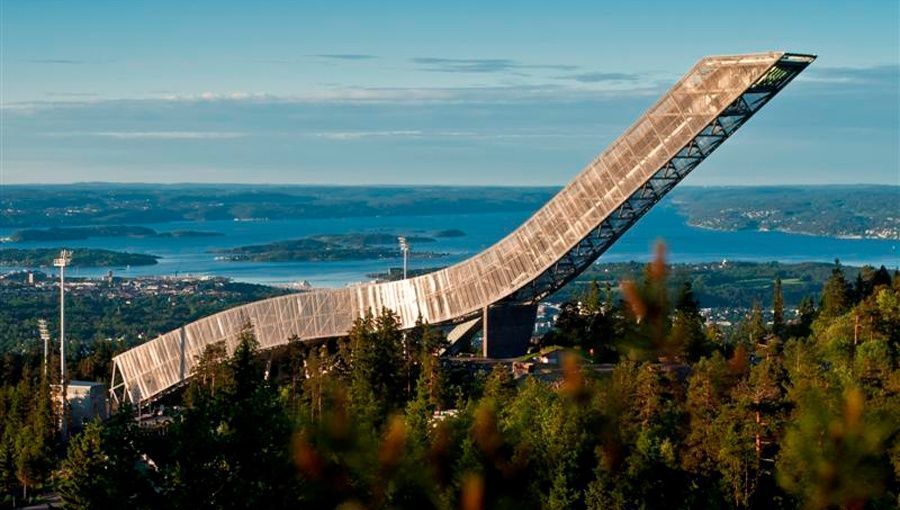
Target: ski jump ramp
(499,288)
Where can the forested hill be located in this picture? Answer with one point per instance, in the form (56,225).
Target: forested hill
(111,204)
(871,212)
(725,285)
(87,257)
(644,407)
(835,211)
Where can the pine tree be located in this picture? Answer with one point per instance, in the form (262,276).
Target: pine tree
(736,459)
(8,482)
(833,452)
(707,391)
(756,325)
(315,382)
(246,372)
(647,335)
(433,342)
(104,467)
(570,327)
(257,430)
(762,399)
(882,278)
(418,414)
(377,381)
(428,387)
(806,313)
(500,385)
(210,373)
(35,438)
(777,309)
(229,448)
(835,294)
(83,482)
(687,335)
(591,299)
(413,349)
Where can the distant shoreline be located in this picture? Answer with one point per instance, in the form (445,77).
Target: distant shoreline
(693,223)
(78,233)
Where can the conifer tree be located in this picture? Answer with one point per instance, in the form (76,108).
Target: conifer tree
(648,304)
(377,380)
(230,446)
(82,478)
(592,298)
(777,309)
(259,473)
(835,294)
(419,412)
(806,313)
(833,453)
(315,383)
(687,335)
(756,325)
(104,467)
(708,387)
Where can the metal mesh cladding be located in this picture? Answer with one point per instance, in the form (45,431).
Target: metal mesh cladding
(711,101)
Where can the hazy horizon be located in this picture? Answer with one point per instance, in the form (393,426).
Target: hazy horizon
(426,185)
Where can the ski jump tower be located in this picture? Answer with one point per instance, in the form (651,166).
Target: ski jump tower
(498,289)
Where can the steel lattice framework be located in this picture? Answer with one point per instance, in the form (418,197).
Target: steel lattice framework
(563,238)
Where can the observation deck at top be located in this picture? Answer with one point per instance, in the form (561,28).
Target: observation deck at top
(558,242)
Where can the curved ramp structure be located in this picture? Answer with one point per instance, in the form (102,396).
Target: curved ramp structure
(558,242)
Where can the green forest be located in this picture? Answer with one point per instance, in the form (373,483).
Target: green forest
(800,413)
(859,211)
(87,257)
(330,247)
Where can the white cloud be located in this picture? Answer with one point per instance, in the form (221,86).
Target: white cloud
(347,94)
(212,96)
(156,135)
(358,95)
(357,135)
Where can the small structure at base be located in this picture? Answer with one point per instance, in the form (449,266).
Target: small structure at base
(86,401)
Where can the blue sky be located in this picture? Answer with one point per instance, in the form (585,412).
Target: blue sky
(410,92)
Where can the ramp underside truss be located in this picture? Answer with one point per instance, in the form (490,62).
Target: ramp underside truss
(558,242)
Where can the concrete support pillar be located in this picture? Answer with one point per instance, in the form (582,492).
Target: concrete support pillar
(507,329)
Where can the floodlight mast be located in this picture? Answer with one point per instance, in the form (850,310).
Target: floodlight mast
(65,257)
(404,247)
(45,336)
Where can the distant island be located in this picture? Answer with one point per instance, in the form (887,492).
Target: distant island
(120,204)
(359,240)
(82,257)
(860,211)
(329,248)
(188,233)
(452,232)
(78,233)
(855,212)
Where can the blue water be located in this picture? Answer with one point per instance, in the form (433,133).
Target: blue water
(686,244)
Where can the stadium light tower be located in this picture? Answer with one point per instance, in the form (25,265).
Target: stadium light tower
(65,257)
(404,247)
(45,336)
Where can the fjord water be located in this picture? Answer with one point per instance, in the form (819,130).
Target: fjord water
(193,255)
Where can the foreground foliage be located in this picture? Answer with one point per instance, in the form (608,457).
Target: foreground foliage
(800,413)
